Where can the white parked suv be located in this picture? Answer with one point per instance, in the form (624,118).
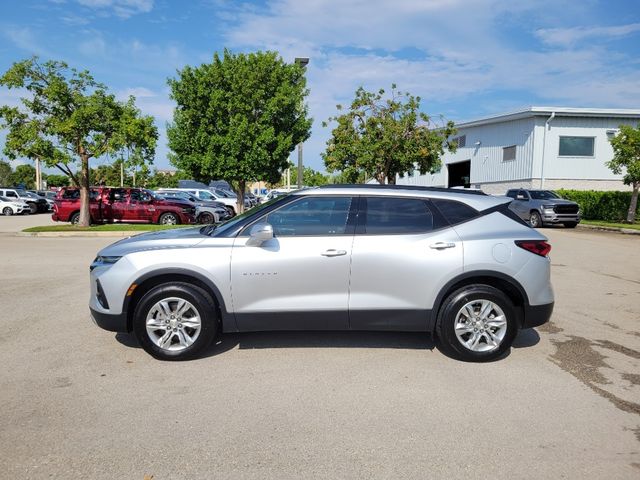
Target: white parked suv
(454,263)
(13,206)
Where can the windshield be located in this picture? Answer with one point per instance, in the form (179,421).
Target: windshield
(206,195)
(542,194)
(229,224)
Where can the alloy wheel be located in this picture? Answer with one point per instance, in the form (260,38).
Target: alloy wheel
(173,324)
(480,325)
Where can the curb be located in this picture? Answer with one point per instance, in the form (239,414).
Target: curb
(626,231)
(120,234)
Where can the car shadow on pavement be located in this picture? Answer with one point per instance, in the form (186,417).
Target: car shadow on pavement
(319,339)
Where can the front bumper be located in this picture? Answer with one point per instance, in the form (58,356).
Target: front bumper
(536,315)
(109,321)
(552,217)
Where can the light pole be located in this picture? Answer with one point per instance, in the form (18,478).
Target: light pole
(303,62)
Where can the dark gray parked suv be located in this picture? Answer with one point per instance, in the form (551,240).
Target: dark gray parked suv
(544,207)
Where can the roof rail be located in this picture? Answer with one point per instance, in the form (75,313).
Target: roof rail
(406,187)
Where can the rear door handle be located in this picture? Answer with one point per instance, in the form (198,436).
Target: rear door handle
(442,245)
(332,252)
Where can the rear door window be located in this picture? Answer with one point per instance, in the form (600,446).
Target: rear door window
(396,215)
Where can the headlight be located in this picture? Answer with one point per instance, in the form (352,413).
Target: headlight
(101,261)
(547,207)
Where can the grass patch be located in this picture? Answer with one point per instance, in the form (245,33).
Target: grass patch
(112,227)
(599,223)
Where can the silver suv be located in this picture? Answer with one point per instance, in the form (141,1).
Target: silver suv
(454,263)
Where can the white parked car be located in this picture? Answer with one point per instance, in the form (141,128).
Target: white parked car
(13,207)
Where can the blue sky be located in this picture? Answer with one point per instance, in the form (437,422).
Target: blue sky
(465,58)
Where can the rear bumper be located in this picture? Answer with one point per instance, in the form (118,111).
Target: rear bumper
(536,315)
(107,321)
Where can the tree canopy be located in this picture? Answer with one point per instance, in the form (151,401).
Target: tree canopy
(67,118)
(238,118)
(384,136)
(626,159)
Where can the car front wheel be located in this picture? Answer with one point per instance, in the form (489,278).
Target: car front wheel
(477,323)
(7,211)
(534,220)
(175,321)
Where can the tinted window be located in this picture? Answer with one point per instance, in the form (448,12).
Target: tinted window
(118,195)
(542,194)
(576,146)
(311,216)
(9,193)
(389,215)
(454,212)
(511,193)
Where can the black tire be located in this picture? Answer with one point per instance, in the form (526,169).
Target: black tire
(7,211)
(204,306)
(206,218)
(231,211)
(33,207)
(445,326)
(169,218)
(535,220)
(570,224)
(75,218)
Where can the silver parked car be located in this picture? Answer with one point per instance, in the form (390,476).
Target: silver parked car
(454,263)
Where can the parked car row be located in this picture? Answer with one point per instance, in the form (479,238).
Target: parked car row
(16,198)
(138,205)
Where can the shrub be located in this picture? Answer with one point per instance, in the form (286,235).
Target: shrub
(608,206)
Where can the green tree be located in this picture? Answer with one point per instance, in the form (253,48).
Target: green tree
(383,137)
(626,158)
(23,175)
(55,180)
(68,118)
(5,173)
(313,178)
(238,118)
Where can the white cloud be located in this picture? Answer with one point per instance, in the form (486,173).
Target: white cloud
(569,36)
(25,39)
(157,104)
(120,8)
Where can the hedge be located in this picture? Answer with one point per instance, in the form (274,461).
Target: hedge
(608,206)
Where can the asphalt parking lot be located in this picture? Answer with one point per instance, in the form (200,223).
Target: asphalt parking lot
(79,402)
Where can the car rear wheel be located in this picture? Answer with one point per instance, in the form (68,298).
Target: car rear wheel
(175,321)
(75,218)
(7,211)
(168,218)
(570,224)
(534,220)
(477,323)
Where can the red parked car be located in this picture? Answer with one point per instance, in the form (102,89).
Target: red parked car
(126,205)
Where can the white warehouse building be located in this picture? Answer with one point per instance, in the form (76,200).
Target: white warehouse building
(539,147)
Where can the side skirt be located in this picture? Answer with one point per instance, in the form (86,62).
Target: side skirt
(369,320)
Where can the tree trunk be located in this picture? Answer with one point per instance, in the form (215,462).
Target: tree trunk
(380,177)
(240,193)
(391,180)
(85,216)
(631,214)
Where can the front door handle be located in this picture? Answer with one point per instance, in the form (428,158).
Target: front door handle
(442,245)
(332,252)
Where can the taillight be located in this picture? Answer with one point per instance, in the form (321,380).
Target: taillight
(539,247)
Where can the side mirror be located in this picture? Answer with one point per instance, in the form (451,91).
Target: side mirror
(259,234)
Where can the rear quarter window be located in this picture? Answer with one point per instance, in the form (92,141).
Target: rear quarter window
(454,212)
